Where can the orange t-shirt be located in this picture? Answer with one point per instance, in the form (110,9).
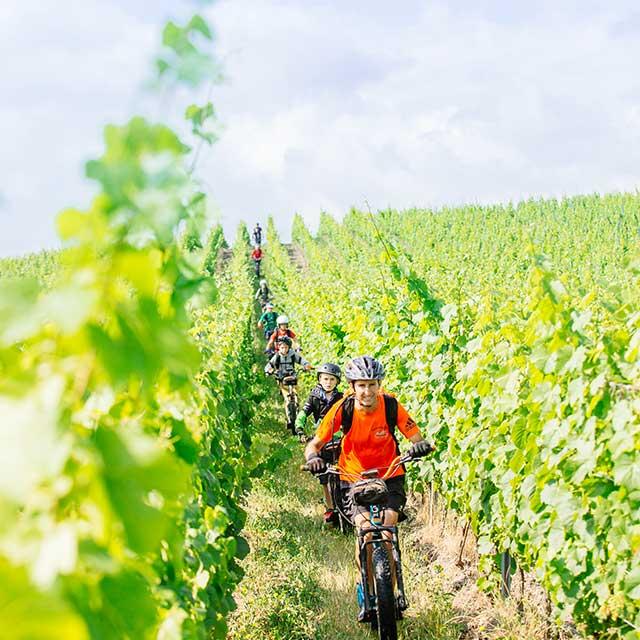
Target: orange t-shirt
(368,445)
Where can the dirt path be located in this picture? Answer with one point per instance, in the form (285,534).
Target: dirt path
(300,576)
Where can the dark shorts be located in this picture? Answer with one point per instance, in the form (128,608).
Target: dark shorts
(397,497)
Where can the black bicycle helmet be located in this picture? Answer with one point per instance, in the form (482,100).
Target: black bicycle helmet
(364,368)
(285,339)
(331,369)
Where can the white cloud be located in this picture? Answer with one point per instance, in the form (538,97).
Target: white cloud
(449,105)
(329,103)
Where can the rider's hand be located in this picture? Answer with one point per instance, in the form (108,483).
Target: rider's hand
(420,449)
(316,464)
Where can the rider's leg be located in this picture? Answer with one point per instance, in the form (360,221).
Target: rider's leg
(362,520)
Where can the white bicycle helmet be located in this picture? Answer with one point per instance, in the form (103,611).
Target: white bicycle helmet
(263,283)
(282,320)
(364,368)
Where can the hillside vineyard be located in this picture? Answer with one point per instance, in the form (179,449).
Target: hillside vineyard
(513,335)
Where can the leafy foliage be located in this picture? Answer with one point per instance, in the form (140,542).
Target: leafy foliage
(126,394)
(528,388)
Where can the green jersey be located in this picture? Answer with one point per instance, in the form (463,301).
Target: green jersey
(268,320)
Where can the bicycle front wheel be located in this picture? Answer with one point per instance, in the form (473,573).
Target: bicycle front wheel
(385,600)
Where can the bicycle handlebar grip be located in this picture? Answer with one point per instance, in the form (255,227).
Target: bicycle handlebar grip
(429,451)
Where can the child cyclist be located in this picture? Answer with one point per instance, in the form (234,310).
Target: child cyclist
(281,330)
(268,321)
(284,362)
(263,293)
(322,397)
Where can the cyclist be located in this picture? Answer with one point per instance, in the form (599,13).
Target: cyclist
(256,256)
(257,234)
(267,320)
(263,293)
(370,441)
(284,362)
(322,397)
(281,330)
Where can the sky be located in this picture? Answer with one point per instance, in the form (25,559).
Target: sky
(330,104)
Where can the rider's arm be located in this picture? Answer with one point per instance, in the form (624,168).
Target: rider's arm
(406,424)
(302,361)
(313,448)
(301,421)
(410,430)
(307,407)
(305,412)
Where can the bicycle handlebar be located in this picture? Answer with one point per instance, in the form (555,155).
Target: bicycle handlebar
(392,468)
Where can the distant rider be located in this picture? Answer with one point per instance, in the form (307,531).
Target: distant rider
(257,234)
(263,293)
(268,320)
(256,256)
(284,362)
(281,330)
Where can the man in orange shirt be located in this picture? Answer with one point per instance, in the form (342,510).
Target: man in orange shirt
(369,443)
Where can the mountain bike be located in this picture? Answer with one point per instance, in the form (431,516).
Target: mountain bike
(383,603)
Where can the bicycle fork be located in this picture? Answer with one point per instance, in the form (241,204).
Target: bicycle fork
(363,545)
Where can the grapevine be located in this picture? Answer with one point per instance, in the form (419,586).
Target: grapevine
(525,385)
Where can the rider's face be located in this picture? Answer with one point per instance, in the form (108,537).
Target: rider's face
(283,326)
(366,392)
(327,381)
(283,348)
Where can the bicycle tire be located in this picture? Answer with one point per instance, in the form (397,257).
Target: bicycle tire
(385,601)
(292,414)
